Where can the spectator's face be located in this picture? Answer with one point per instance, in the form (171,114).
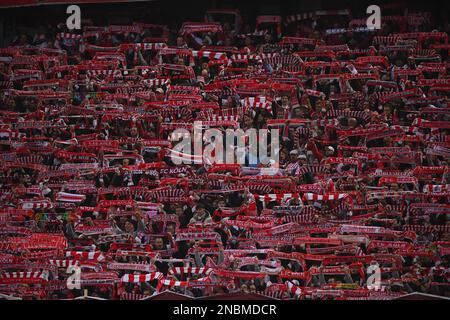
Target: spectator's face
(180,42)
(248,121)
(285,100)
(170,229)
(179,211)
(89,221)
(329,152)
(159,244)
(129,227)
(303,111)
(297,113)
(200,212)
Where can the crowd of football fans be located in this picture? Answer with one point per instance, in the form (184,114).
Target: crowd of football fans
(93,205)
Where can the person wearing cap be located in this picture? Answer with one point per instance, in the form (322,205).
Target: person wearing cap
(301,159)
(329,151)
(292,166)
(293,154)
(159,94)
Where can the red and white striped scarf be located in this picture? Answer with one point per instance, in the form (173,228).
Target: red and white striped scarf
(138,278)
(86,255)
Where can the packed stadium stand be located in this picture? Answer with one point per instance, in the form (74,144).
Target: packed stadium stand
(93,206)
